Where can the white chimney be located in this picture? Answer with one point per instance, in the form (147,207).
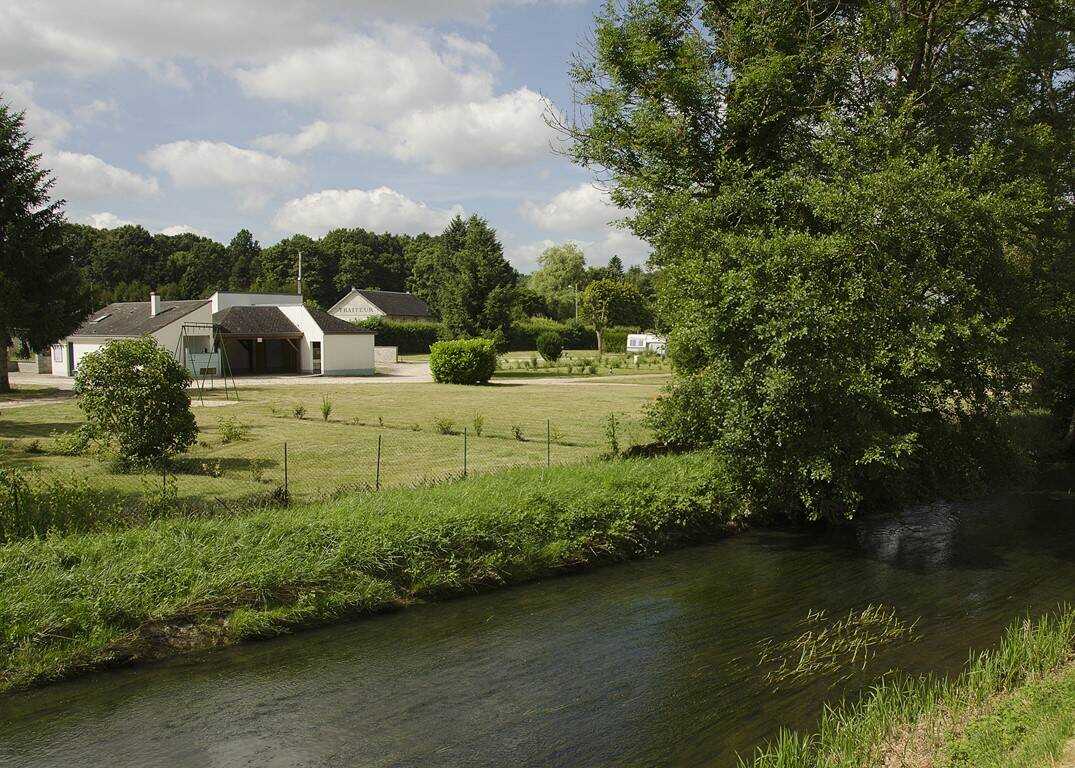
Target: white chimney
(154,304)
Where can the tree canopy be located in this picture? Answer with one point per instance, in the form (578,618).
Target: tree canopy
(41,292)
(862,215)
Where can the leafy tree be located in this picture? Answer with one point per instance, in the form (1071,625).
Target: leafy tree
(433,264)
(134,394)
(861,213)
(562,273)
(550,345)
(244,252)
(611,302)
(478,295)
(42,297)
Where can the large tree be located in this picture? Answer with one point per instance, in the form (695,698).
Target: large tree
(41,293)
(478,295)
(862,213)
(560,278)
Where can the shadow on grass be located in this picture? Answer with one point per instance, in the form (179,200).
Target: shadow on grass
(40,429)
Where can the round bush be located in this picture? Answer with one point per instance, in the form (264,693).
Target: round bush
(550,345)
(465,361)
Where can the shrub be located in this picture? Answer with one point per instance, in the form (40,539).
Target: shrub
(299,411)
(232,431)
(444,426)
(517,433)
(550,345)
(464,361)
(478,424)
(611,438)
(72,443)
(134,394)
(326,408)
(411,337)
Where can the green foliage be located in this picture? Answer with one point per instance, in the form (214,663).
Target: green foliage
(34,505)
(299,411)
(410,337)
(611,302)
(73,443)
(862,220)
(231,430)
(444,426)
(612,440)
(550,346)
(134,395)
(42,297)
(464,361)
(326,408)
(477,297)
(517,433)
(385,552)
(478,424)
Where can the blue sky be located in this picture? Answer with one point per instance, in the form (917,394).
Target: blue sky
(302,116)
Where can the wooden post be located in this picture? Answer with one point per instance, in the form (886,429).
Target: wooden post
(377,482)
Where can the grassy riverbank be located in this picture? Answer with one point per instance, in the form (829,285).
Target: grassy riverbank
(84,601)
(1013,707)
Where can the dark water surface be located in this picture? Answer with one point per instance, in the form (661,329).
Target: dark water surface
(646,664)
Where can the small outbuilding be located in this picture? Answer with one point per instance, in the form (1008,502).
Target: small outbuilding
(391,305)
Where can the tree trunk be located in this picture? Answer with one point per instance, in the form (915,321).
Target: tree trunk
(5,382)
(1069,438)
(600,342)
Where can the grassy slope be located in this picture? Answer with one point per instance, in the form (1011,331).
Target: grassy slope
(1013,707)
(324,456)
(79,602)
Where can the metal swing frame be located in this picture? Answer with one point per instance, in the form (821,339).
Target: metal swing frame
(207,374)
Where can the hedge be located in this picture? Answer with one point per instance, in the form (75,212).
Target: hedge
(412,337)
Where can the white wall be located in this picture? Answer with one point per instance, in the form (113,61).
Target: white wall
(168,336)
(311,331)
(223,300)
(348,354)
(357,308)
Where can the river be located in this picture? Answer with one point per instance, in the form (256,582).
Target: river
(650,663)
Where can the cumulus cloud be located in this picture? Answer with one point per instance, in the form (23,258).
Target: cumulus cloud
(82,177)
(82,37)
(379,210)
(501,131)
(584,208)
(105,220)
(43,125)
(206,164)
(183,229)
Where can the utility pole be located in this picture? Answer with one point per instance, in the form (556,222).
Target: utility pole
(300,273)
(576,287)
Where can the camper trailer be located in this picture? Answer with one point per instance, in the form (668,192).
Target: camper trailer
(641,343)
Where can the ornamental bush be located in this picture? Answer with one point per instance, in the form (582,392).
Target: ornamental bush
(463,361)
(134,395)
(550,346)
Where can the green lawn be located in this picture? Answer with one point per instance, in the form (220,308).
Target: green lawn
(31,392)
(340,454)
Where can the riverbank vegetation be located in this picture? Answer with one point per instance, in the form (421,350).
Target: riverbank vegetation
(862,218)
(73,603)
(1012,706)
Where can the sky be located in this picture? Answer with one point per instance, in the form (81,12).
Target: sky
(296,116)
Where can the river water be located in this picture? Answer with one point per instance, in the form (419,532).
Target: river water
(652,663)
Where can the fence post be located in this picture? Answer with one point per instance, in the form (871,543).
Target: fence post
(464,451)
(548,443)
(377,482)
(286,491)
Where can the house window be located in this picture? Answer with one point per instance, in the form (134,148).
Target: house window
(315,347)
(57,354)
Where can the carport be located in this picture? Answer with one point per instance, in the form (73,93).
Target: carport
(259,340)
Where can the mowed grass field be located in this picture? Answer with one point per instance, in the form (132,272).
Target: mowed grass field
(340,454)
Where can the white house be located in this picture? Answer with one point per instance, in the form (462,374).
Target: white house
(391,305)
(259,334)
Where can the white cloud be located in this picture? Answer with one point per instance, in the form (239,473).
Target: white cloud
(183,229)
(203,164)
(368,78)
(501,131)
(598,250)
(105,220)
(82,177)
(43,125)
(584,208)
(379,210)
(96,109)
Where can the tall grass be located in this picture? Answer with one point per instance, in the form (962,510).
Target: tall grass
(77,602)
(910,721)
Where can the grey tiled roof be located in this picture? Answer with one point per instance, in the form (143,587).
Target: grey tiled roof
(334,326)
(255,321)
(390,302)
(132,318)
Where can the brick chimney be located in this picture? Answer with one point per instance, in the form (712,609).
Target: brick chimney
(154,304)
